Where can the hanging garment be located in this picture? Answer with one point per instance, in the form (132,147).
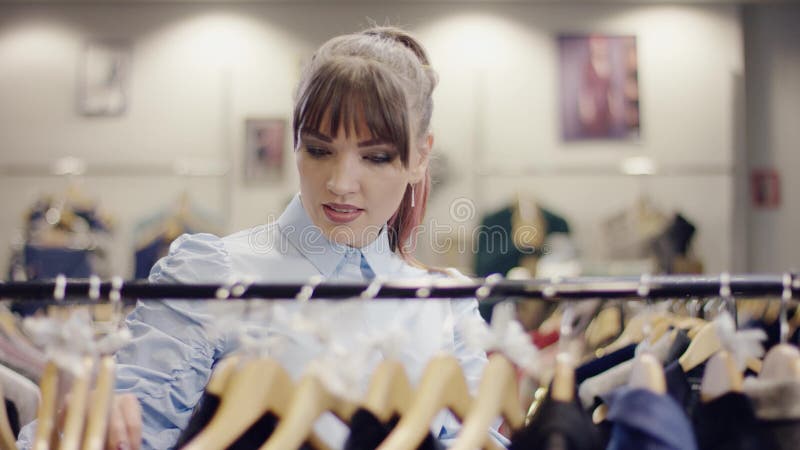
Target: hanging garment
(597,366)
(777,407)
(673,243)
(665,350)
(46,262)
(558,425)
(729,423)
(367,433)
(146,257)
(13,416)
(644,420)
(496,251)
(684,387)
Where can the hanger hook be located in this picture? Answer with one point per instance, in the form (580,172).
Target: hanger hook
(373,288)
(94,288)
(786,296)
(223,292)
(726,295)
(424,291)
(308,289)
(644,293)
(236,288)
(240,287)
(115,297)
(550,290)
(60,290)
(485,290)
(644,286)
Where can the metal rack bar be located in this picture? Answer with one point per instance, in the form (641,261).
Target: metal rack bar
(585,288)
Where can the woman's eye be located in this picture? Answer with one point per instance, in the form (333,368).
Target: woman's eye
(317,152)
(380,158)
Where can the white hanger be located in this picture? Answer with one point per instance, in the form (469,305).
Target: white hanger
(647,372)
(782,362)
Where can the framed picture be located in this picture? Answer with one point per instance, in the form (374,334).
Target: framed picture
(103,78)
(264,150)
(599,87)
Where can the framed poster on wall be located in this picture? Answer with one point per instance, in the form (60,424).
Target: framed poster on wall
(264,150)
(599,77)
(103,78)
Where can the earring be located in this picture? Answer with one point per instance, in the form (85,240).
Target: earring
(412,196)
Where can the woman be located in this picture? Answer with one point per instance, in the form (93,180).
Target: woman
(362,143)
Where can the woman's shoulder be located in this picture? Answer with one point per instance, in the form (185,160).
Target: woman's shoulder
(411,270)
(200,257)
(205,257)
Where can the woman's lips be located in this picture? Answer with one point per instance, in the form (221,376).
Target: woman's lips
(339,213)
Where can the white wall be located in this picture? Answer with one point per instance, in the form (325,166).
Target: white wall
(200,70)
(773,108)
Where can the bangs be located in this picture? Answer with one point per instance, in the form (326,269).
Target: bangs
(350,92)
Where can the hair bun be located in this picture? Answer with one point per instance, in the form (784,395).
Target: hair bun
(401,37)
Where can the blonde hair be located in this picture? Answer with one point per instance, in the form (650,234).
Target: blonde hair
(383,76)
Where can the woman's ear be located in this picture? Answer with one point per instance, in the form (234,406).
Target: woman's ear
(420,166)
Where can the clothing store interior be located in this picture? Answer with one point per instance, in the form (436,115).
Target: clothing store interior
(588,241)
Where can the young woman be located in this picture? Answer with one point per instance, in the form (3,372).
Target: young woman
(362,142)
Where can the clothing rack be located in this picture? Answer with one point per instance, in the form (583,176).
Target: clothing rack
(660,287)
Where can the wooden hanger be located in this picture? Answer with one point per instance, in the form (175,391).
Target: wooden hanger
(702,347)
(310,400)
(706,342)
(260,386)
(97,424)
(46,415)
(75,417)
(647,373)
(605,326)
(633,333)
(562,388)
(498,395)
(442,387)
(221,374)
(688,323)
(782,362)
(771,312)
(721,376)
(389,391)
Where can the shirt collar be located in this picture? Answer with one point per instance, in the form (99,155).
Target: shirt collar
(325,255)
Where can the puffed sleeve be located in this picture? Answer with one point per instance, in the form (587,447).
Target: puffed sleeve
(175,343)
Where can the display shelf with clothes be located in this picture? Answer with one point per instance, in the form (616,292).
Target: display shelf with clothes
(154,234)
(67,233)
(514,236)
(644,232)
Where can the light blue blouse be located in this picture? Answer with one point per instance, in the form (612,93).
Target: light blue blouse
(176,343)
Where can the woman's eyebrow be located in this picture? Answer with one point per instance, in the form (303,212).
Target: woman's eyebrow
(374,142)
(318,135)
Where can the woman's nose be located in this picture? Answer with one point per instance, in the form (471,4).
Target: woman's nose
(343,178)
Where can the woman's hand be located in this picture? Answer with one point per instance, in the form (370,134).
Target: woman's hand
(125,423)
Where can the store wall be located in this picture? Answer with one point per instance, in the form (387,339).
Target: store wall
(773,98)
(199,70)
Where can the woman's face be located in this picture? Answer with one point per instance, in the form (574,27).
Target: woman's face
(352,184)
